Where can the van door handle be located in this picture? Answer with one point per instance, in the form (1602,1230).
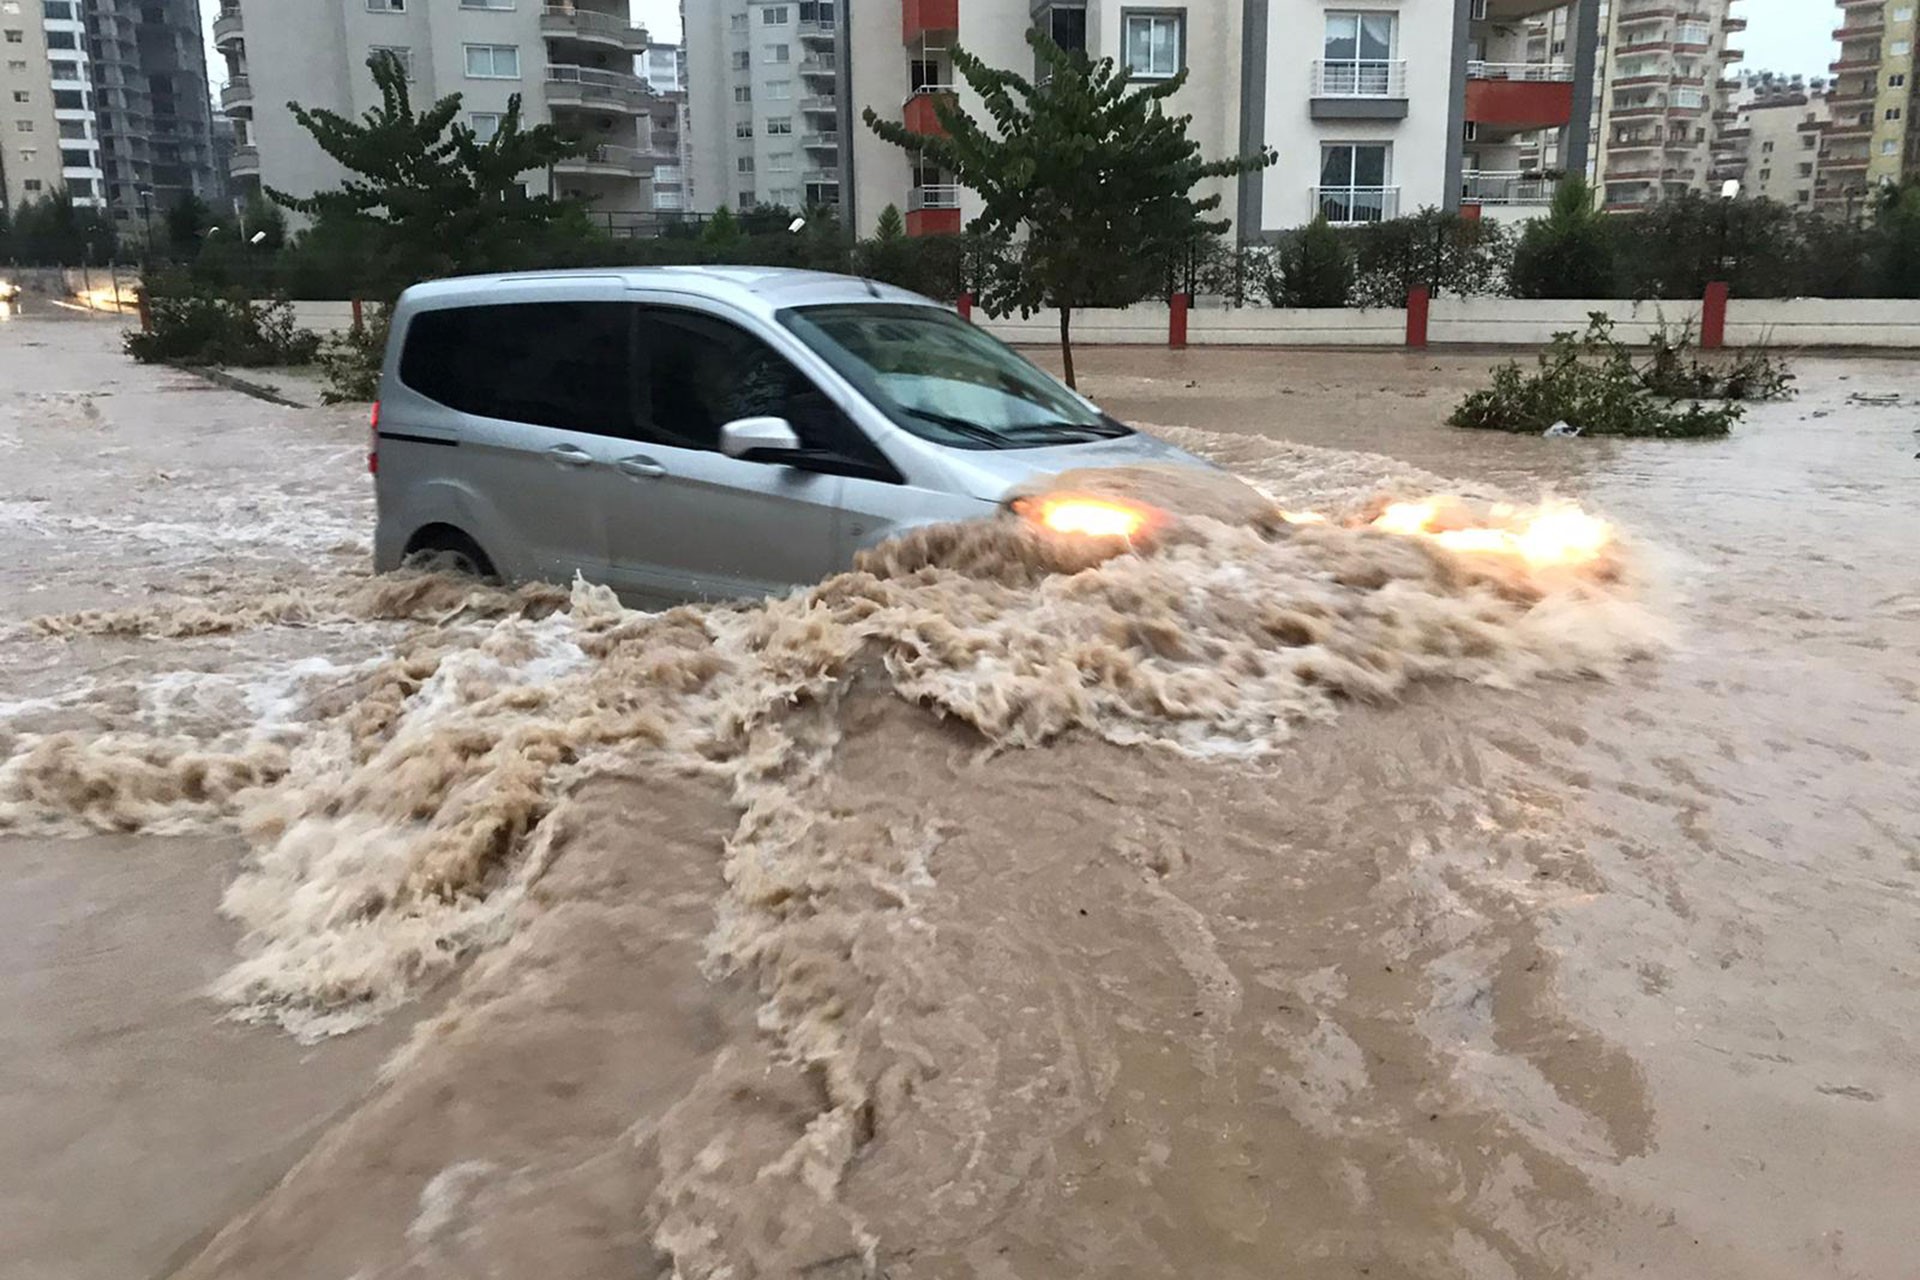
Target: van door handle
(568,455)
(642,466)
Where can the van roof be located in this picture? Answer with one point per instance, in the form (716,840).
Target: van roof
(770,288)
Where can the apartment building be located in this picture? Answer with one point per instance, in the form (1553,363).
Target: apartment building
(572,64)
(766,100)
(1771,143)
(150,100)
(1867,141)
(30,153)
(664,68)
(1373,109)
(1657,106)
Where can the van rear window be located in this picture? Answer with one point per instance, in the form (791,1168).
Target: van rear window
(552,364)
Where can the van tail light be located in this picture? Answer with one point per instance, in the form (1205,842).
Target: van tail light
(373,441)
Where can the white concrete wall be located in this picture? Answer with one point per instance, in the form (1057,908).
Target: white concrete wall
(1530,322)
(1143,325)
(1249,326)
(1825,322)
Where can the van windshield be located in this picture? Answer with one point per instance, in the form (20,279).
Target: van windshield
(945,380)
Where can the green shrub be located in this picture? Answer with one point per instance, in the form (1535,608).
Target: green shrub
(351,361)
(1443,251)
(1674,371)
(1313,269)
(1592,383)
(1568,253)
(196,326)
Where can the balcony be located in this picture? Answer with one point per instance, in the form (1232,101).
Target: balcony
(1503,187)
(828,141)
(245,162)
(819,64)
(1350,206)
(1872,30)
(1520,95)
(821,102)
(813,29)
(226,28)
(1363,89)
(920,18)
(607,162)
(569,86)
(1509,11)
(933,211)
(1638,13)
(236,95)
(919,111)
(568,22)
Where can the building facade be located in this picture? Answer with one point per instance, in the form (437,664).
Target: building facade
(1659,105)
(664,68)
(572,65)
(1374,109)
(765,100)
(1772,144)
(1868,140)
(30,134)
(150,100)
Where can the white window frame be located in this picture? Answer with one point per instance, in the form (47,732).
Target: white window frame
(494,6)
(774,15)
(1177,18)
(1360,77)
(743,165)
(780,91)
(743,128)
(489,131)
(493,52)
(1353,196)
(777,55)
(403,52)
(737,22)
(386,6)
(740,60)
(743,93)
(780,162)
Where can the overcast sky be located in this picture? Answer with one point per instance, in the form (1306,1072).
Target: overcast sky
(1781,35)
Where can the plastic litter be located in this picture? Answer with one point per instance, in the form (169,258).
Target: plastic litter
(1561,431)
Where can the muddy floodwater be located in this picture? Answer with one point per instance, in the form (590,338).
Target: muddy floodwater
(1286,900)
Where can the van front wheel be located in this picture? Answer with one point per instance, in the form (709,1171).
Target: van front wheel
(441,548)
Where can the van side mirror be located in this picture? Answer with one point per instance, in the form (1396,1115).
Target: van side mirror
(758,439)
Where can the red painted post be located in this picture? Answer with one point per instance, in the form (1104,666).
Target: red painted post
(965,306)
(1713,317)
(1419,299)
(146,308)
(1177,322)
(358,318)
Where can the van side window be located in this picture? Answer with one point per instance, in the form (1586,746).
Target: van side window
(698,373)
(552,364)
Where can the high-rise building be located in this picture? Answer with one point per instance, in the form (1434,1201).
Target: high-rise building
(1867,141)
(30,159)
(664,68)
(1659,104)
(1374,111)
(1771,146)
(765,102)
(572,65)
(151,103)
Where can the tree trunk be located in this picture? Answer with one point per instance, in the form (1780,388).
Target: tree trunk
(1066,345)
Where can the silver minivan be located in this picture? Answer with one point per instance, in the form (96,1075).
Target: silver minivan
(697,433)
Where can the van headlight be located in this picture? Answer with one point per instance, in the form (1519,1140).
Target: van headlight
(1079,515)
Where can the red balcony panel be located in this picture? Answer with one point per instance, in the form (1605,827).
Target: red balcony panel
(920,115)
(919,17)
(933,222)
(1520,104)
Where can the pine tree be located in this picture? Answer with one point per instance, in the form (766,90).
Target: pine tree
(722,230)
(1568,253)
(434,197)
(889,225)
(1084,175)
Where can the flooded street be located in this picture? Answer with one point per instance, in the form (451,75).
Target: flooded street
(1305,907)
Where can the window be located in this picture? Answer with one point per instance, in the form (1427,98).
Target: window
(743,93)
(493,62)
(774,15)
(1807,142)
(73,128)
(485,124)
(923,73)
(386,6)
(780,91)
(666,173)
(1766,175)
(64,70)
(62,40)
(1766,148)
(69,100)
(944,380)
(1353,182)
(1803,196)
(743,165)
(823,193)
(30,184)
(400,54)
(738,22)
(743,129)
(1154,44)
(1067,26)
(780,162)
(1896,80)
(746,200)
(775,53)
(699,372)
(15,36)
(1887,148)
(23,126)
(740,59)
(1357,55)
(1893,113)
(552,364)
(77,159)
(779,124)
(1901,48)
(21,95)
(1903,14)
(487,4)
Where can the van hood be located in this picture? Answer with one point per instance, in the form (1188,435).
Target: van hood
(993,474)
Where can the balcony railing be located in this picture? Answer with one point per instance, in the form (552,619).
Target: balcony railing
(817,141)
(245,159)
(227,26)
(820,102)
(237,92)
(594,85)
(1366,78)
(813,27)
(1354,204)
(1507,187)
(933,197)
(1477,70)
(818,63)
(608,159)
(589,24)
